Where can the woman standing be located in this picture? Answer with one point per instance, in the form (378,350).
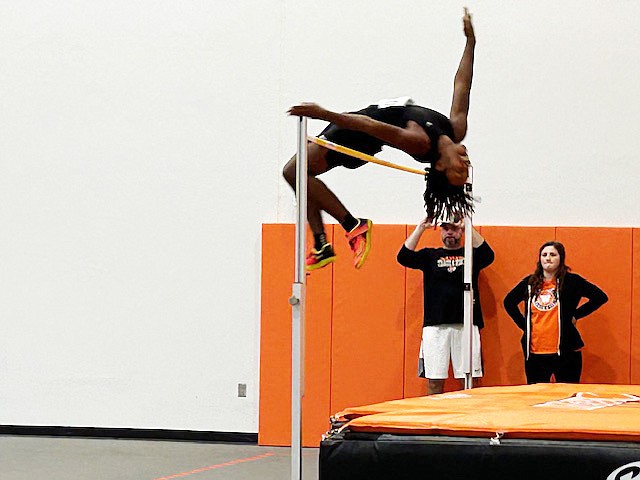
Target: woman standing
(550,340)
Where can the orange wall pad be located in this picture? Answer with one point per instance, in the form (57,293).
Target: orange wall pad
(275,343)
(368,323)
(607,331)
(634,339)
(363,327)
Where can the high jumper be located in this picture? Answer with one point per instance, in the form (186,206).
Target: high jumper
(428,136)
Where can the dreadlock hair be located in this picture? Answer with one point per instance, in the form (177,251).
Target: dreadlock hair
(536,279)
(443,200)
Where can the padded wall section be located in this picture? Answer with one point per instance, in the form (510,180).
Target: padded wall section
(275,342)
(316,402)
(516,251)
(364,326)
(368,323)
(635,310)
(603,256)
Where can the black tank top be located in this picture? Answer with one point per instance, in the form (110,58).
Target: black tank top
(428,119)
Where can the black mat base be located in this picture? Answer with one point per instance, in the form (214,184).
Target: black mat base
(354,456)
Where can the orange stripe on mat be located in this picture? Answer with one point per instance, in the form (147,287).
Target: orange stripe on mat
(219,465)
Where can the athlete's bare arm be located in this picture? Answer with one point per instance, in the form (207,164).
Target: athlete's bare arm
(462,83)
(411,139)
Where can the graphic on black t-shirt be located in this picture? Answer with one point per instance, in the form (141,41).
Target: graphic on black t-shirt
(451,262)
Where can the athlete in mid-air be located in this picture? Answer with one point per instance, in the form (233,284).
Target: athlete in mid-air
(426,135)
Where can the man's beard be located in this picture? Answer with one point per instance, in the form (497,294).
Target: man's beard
(451,242)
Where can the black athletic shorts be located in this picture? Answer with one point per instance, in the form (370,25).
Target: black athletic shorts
(352,139)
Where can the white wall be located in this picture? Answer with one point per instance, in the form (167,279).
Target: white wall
(140,151)
(555,107)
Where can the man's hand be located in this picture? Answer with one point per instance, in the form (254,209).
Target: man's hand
(310,110)
(425,223)
(468,26)
(412,240)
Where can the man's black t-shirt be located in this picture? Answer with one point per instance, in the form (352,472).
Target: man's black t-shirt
(443,281)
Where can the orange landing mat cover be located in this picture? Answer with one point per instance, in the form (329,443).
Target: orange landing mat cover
(543,411)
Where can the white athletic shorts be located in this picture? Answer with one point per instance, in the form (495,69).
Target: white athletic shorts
(443,342)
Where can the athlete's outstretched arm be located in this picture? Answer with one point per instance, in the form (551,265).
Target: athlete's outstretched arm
(462,83)
(412,139)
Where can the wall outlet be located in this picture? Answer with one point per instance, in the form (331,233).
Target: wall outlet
(242,390)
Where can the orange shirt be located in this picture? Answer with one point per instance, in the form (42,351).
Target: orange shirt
(545,328)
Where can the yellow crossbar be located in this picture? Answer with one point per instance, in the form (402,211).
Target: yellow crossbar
(362,156)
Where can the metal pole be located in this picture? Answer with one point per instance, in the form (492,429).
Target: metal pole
(297,302)
(467,343)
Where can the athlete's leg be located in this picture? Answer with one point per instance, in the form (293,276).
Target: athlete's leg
(319,197)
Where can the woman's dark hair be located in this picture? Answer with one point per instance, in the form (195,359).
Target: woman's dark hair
(536,279)
(443,200)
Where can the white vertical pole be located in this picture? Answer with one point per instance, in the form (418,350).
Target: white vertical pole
(297,302)
(467,343)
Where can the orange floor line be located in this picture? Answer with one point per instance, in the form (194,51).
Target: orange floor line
(219,465)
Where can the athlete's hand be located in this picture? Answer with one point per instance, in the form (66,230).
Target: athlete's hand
(468,26)
(310,110)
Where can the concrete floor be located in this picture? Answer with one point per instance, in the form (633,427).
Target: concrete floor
(74,458)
